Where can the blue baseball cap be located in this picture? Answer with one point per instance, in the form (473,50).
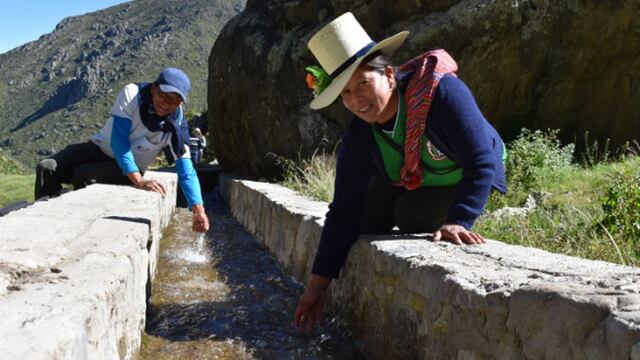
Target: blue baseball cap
(175,81)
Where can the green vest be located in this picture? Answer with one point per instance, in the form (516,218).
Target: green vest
(440,170)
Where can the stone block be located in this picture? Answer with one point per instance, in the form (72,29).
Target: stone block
(75,272)
(407,297)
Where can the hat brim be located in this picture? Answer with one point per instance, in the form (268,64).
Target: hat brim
(328,95)
(170,89)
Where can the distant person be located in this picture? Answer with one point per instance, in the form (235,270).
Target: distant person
(418,153)
(146,119)
(197,144)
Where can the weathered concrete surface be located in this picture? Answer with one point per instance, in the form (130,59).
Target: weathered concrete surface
(409,298)
(74,272)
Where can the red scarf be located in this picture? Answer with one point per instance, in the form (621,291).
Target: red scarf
(427,69)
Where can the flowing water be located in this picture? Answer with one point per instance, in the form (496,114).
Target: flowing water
(220,295)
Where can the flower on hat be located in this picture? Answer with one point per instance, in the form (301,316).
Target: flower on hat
(317,79)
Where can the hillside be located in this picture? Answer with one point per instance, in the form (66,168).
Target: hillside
(9,166)
(58,89)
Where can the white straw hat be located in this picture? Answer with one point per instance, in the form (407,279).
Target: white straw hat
(340,47)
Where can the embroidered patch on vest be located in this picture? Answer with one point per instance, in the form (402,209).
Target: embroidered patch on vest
(434,152)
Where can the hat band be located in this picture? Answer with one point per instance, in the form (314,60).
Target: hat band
(351,60)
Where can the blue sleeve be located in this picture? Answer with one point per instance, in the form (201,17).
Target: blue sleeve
(121,146)
(344,219)
(467,133)
(188,180)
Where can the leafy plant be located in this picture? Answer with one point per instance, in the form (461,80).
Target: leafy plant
(534,157)
(621,206)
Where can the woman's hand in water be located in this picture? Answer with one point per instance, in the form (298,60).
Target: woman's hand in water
(309,311)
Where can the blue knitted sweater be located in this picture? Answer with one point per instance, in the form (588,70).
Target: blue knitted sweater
(456,127)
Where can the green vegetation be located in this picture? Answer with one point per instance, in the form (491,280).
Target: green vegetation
(313,178)
(15,185)
(571,218)
(16,188)
(10,166)
(621,207)
(531,157)
(588,208)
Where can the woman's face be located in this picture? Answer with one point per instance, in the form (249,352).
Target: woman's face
(164,103)
(369,95)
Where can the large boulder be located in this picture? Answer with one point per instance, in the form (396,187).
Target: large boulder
(565,64)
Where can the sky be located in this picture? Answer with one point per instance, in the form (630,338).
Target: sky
(22,21)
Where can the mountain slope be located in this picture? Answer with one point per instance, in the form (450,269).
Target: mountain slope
(58,89)
(9,166)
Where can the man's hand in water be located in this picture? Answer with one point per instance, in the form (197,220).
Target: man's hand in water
(200,221)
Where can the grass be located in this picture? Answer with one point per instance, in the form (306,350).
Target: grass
(15,183)
(15,188)
(312,177)
(11,166)
(570,220)
(590,207)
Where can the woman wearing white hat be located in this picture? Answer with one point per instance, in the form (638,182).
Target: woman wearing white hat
(418,153)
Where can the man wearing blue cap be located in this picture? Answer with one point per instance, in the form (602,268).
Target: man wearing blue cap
(146,118)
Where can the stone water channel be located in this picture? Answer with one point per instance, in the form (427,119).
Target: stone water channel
(222,296)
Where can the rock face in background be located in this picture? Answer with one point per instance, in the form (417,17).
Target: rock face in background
(565,64)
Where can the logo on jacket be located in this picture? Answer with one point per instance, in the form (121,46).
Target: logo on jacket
(434,152)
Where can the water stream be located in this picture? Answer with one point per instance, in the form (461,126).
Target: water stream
(220,295)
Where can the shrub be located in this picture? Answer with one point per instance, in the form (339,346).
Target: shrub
(534,158)
(621,206)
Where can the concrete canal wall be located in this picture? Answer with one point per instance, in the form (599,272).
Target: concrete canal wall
(408,298)
(74,272)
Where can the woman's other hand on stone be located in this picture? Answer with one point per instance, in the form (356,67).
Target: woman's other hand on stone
(458,235)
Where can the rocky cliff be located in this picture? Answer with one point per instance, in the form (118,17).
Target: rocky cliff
(58,89)
(565,64)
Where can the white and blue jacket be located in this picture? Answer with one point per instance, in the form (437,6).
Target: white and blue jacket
(134,136)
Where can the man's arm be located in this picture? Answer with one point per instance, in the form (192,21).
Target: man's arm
(188,180)
(121,147)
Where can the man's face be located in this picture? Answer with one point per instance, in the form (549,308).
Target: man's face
(164,103)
